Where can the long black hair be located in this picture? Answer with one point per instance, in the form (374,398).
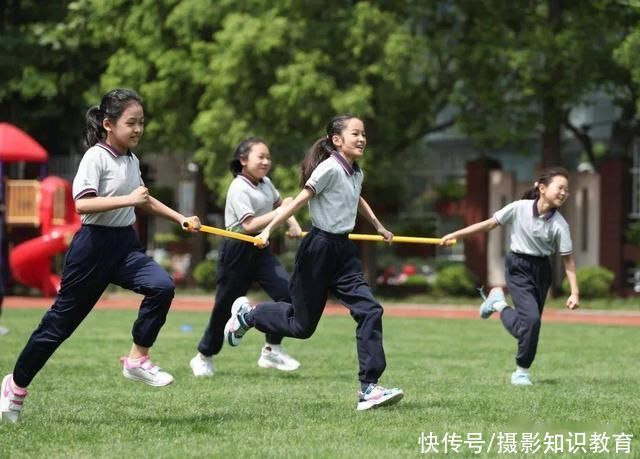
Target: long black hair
(323,147)
(242,152)
(545,178)
(111,107)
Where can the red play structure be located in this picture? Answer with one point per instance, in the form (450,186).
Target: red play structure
(45,204)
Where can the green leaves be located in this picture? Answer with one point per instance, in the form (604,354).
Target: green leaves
(213,72)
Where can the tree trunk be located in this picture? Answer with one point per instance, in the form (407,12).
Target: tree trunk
(551,135)
(552,111)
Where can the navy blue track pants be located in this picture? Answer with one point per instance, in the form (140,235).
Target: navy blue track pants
(98,256)
(528,280)
(240,264)
(326,263)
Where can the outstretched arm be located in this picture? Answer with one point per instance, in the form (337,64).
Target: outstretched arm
(155,207)
(285,212)
(366,211)
(253,225)
(483,226)
(569,262)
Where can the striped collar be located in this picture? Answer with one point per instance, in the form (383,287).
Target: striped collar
(348,168)
(548,215)
(249,180)
(115,153)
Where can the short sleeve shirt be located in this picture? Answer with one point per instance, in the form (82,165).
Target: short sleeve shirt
(535,234)
(246,198)
(106,173)
(337,186)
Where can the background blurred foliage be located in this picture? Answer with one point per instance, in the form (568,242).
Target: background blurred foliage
(213,72)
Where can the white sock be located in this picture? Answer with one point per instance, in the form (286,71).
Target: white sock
(273,347)
(500,305)
(524,371)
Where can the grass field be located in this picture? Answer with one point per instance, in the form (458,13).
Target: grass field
(454,374)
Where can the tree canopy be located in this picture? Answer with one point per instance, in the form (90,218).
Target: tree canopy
(213,72)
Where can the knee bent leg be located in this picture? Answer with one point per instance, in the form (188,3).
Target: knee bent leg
(166,289)
(303,332)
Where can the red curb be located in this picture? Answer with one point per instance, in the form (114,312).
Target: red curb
(201,303)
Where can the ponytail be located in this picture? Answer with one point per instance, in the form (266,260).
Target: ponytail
(323,148)
(545,178)
(111,107)
(94,131)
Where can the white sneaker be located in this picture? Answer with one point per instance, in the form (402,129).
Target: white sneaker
(488,306)
(3,331)
(235,327)
(202,366)
(145,371)
(11,401)
(274,357)
(520,379)
(377,396)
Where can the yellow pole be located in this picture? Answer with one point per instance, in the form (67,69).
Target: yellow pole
(406,239)
(230,234)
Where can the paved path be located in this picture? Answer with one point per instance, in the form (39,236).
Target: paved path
(203,303)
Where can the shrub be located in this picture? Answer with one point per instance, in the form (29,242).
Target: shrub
(451,190)
(456,280)
(594,282)
(417,280)
(205,274)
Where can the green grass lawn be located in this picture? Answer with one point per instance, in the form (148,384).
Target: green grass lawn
(454,374)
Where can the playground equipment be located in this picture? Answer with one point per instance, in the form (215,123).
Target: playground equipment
(46,204)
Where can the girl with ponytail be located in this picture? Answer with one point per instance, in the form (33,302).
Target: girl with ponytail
(327,261)
(107,189)
(537,231)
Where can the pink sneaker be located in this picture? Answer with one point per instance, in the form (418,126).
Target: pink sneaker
(144,370)
(11,400)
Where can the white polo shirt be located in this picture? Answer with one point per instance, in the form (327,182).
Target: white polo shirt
(106,173)
(535,234)
(246,198)
(337,188)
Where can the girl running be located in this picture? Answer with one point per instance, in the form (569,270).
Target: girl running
(107,188)
(537,231)
(252,202)
(327,261)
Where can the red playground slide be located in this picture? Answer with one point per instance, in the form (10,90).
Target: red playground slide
(30,261)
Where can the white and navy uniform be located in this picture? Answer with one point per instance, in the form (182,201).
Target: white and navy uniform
(240,264)
(528,271)
(327,261)
(105,250)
